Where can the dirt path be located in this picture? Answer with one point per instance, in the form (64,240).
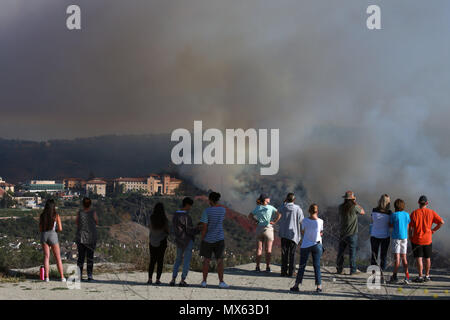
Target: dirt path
(244,284)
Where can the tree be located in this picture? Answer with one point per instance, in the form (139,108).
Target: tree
(7,201)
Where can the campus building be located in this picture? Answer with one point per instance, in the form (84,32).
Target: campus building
(150,185)
(49,186)
(6,186)
(28,202)
(96,186)
(74,183)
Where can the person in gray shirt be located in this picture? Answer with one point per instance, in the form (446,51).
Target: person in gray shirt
(291,218)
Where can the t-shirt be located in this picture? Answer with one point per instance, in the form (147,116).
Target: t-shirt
(312,230)
(291,217)
(264,214)
(214,216)
(421,222)
(349,221)
(400,221)
(380,225)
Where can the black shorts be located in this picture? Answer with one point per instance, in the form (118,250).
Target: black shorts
(207,249)
(421,251)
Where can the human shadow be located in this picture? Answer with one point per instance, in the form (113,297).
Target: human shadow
(251,273)
(120,282)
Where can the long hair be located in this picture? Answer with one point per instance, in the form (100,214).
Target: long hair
(158,218)
(48,216)
(347,205)
(384,204)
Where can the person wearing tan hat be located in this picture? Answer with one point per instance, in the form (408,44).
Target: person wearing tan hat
(348,214)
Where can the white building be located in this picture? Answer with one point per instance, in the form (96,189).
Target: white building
(6,186)
(150,185)
(96,186)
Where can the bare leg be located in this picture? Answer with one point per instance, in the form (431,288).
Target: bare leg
(427,266)
(46,259)
(259,246)
(57,255)
(419,266)
(205,268)
(220,269)
(268,252)
(405,265)
(397,263)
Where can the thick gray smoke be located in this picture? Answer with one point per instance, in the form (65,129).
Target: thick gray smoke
(357,109)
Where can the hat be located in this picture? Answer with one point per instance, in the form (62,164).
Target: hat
(349,195)
(263,197)
(423,199)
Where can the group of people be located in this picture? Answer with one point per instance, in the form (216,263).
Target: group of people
(86,237)
(211,232)
(294,229)
(417,227)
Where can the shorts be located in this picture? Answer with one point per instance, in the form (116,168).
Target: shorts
(49,237)
(265,233)
(422,251)
(207,249)
(399,246)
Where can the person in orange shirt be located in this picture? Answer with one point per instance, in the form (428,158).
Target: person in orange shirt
(420,233)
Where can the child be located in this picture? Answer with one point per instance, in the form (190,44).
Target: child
(399,221)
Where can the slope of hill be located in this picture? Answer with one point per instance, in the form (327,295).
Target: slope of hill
(106,156)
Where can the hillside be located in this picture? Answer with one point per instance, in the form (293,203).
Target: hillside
(134,155)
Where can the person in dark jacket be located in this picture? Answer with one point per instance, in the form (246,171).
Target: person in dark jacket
(86,237)
(185,233)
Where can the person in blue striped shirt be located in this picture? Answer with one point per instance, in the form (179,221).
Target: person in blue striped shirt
(213,238)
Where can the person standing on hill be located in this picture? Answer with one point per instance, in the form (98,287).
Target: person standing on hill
(262,215)
(213,238)
(290,233)
(159,230)
(312,231)
(49,224)
(379,233)
(86,237)
(348,214)
(184,238)
(399,222)
(421,233)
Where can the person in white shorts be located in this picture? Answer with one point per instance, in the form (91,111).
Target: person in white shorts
(399,221)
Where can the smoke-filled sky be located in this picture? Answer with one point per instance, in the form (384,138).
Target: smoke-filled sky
(357,109)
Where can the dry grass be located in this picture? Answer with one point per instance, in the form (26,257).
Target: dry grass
(9,279)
